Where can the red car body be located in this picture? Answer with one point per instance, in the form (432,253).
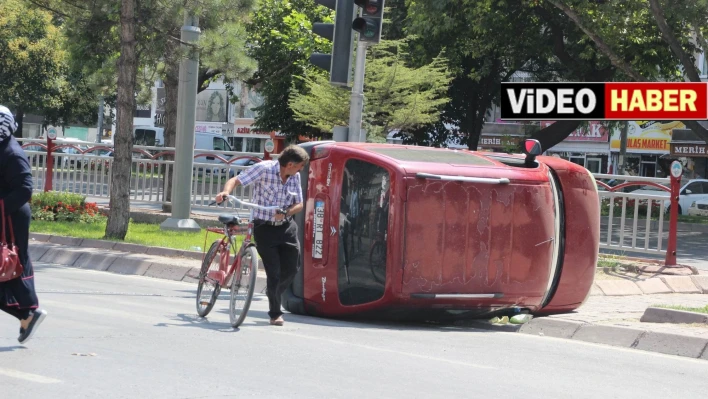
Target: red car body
(417,232)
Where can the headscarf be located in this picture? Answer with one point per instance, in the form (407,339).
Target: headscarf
(7,123)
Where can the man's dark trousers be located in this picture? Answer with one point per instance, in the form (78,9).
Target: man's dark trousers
(279,248)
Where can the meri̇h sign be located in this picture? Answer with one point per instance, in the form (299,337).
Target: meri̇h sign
(646,136)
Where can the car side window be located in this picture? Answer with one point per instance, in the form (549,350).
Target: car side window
(705,187)
(363,232)
(695,187)
(219,144)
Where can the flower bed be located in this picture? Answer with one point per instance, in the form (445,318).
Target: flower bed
(64,207)
(631,204)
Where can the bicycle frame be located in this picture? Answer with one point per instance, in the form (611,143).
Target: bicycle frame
(225,273)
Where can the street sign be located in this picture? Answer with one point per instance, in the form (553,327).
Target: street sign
(676,169)
(269,145)
(52,133)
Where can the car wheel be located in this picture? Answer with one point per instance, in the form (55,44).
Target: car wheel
(668,210)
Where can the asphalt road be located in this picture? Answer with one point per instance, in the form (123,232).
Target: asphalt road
(113,336)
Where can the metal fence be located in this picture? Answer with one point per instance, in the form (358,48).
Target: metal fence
(634,221)
(86,168)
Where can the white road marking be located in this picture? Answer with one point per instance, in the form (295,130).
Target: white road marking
(28,377)
(439,359)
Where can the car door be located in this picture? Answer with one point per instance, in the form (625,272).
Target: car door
(686,198)
(704,195)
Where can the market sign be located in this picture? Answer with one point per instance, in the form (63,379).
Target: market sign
(689,150)
(646,136)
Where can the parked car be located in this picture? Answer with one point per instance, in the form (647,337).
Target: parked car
(694,190)
(698,208)
(246,161)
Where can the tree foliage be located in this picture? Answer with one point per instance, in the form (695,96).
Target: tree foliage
(280,39)
(34,68)
(397,96)
(669,33)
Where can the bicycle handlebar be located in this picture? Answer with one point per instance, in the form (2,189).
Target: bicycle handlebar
(250,204)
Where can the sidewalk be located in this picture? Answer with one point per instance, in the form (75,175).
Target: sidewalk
(610,315)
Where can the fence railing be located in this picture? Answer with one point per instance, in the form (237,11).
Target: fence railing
(85,168)
(645,230)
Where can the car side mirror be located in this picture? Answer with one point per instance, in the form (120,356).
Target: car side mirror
(532,149)
(687,191)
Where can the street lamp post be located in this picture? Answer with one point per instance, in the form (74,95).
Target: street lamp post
(186,116)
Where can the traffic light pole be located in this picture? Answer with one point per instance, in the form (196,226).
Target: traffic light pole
(357,100)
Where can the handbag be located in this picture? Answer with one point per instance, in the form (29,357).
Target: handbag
(10,267)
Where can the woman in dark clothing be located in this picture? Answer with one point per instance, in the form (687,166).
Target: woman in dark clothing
(18,297)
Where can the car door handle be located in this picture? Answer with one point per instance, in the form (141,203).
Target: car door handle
(482,180)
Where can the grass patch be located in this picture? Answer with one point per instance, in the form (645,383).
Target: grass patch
(138,233)
(609,261)
(693,219)
(684,308)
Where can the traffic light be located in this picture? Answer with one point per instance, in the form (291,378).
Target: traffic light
(339,62)
(369,23)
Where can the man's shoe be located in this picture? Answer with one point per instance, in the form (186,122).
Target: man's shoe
(277,322)
(37,319)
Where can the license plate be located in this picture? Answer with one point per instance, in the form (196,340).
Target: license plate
(317,243)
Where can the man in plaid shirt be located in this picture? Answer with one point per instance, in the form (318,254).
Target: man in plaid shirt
(277,183)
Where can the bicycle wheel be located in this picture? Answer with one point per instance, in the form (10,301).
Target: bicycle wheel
(377,262)
(209,288)
(242,287)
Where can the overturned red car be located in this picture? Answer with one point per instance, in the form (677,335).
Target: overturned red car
(411,232)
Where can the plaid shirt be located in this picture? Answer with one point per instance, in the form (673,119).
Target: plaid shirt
(269,189)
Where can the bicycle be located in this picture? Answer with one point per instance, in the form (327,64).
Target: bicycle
(242,273)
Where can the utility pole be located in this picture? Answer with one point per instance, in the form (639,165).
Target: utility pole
(186,117)
(357,100)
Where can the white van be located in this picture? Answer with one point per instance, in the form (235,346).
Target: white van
(155,137)
(203,142)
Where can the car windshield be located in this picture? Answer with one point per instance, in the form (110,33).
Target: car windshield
(434,156)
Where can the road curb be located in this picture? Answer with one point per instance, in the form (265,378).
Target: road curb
(633,338)
(138,264)
(662,315)
(116,246)
(655,285)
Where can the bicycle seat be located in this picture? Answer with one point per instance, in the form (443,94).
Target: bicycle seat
(229,219)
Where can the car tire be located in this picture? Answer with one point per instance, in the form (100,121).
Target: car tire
(668,210)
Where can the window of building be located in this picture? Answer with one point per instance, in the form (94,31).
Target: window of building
(648,166)
(254,145)
(594,165)
(236,143)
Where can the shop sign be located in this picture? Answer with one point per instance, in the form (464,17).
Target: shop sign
(487,141)
(594,132)
(689,150)
(208,127)
(646,136)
